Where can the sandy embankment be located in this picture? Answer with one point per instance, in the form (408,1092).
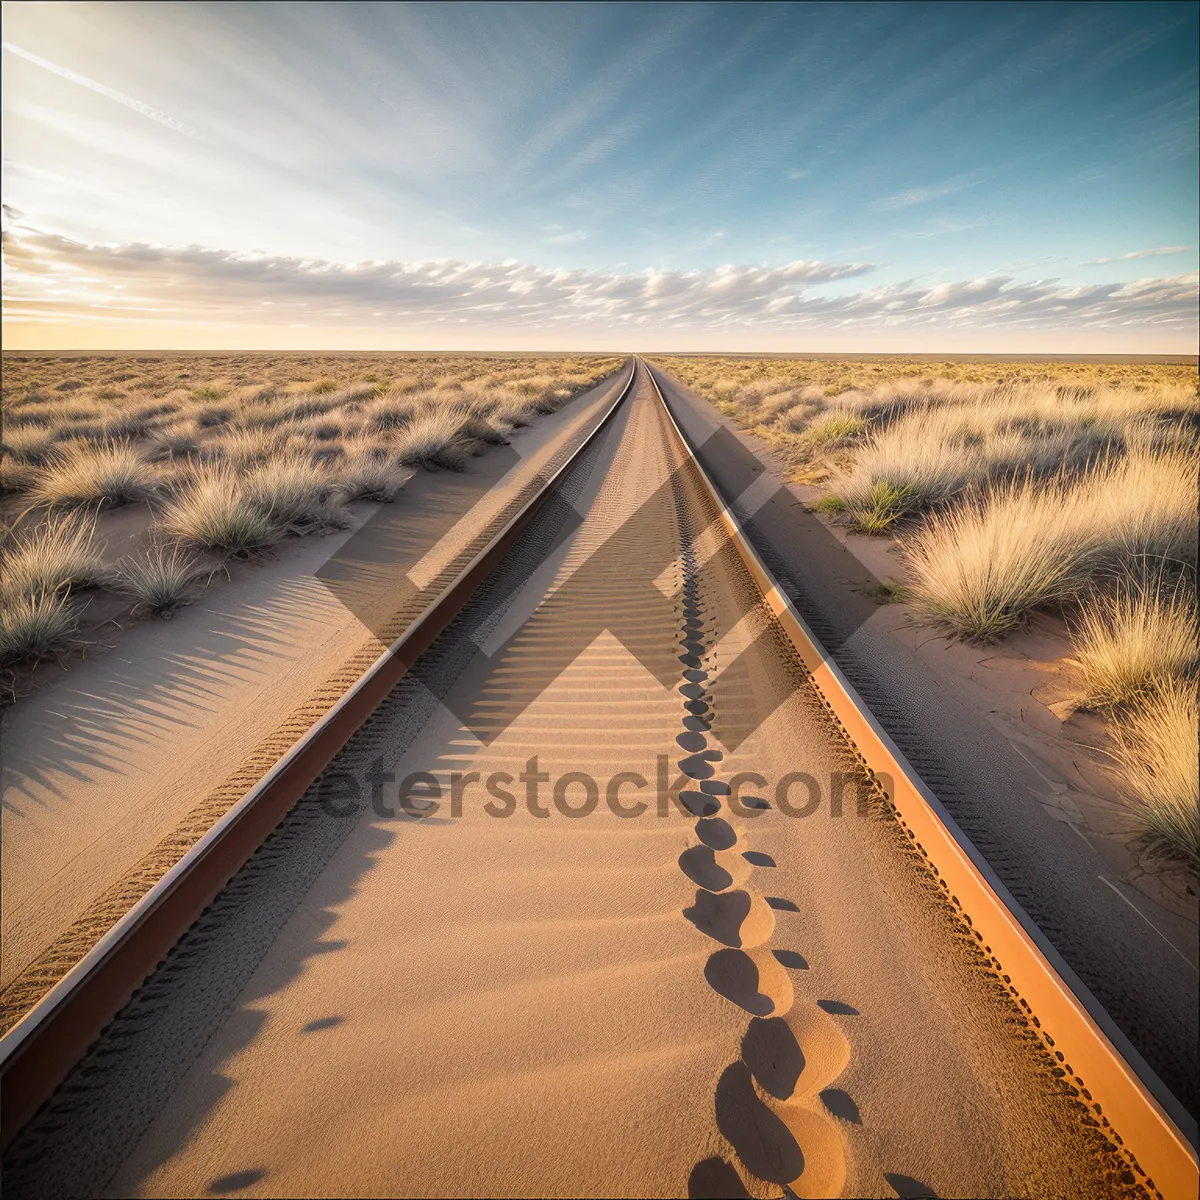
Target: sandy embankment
(708,1003)
(103,764)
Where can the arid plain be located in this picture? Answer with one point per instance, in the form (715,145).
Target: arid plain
(201,551)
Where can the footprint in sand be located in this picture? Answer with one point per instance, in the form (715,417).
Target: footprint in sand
(701,865)
(757,858)
(717,833)
(773,1054)
(738,918)
(770,1105)
(774,1105)
(714,870)
(806,1039)
(751,979)
(714,1178)
(699,804)
(791,960)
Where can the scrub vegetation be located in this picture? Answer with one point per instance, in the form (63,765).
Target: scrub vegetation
(1013,488)
(222,456)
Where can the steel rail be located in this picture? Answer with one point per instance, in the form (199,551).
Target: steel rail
(1117,1085)
(37,1053)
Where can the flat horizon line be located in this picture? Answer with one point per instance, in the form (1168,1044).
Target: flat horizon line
(921,356)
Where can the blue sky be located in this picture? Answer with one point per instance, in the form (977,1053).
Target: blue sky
(810,176)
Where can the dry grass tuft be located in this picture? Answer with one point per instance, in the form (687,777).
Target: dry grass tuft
(389,412)
(368,473)
(434,438)
(245,447)
(29,443)
(213,512)
(515,413)
(160,579)
(54,557)
(1156,767)
(109,474)
(296,495)
(209,416)
(33,627)
(980,567)
(176,439)
(1130,641)
(16,476)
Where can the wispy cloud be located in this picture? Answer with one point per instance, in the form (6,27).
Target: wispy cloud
(567,238)
(52,278)
(798,173)
(711,239)
(1133,254)
(940,227)
(147,110)
(921,195)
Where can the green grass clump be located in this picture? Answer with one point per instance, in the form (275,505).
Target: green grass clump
(835,429)
(887,591)
(830,505)
(882,507)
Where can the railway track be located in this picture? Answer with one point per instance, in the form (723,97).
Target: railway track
(619,858)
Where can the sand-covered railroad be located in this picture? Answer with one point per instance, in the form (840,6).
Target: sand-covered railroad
(709,997)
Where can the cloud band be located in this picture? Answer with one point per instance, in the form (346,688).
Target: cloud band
(50,277)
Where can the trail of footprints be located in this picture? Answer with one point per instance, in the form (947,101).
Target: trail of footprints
(773,1104)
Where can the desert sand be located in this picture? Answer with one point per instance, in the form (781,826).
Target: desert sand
(718,1001)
